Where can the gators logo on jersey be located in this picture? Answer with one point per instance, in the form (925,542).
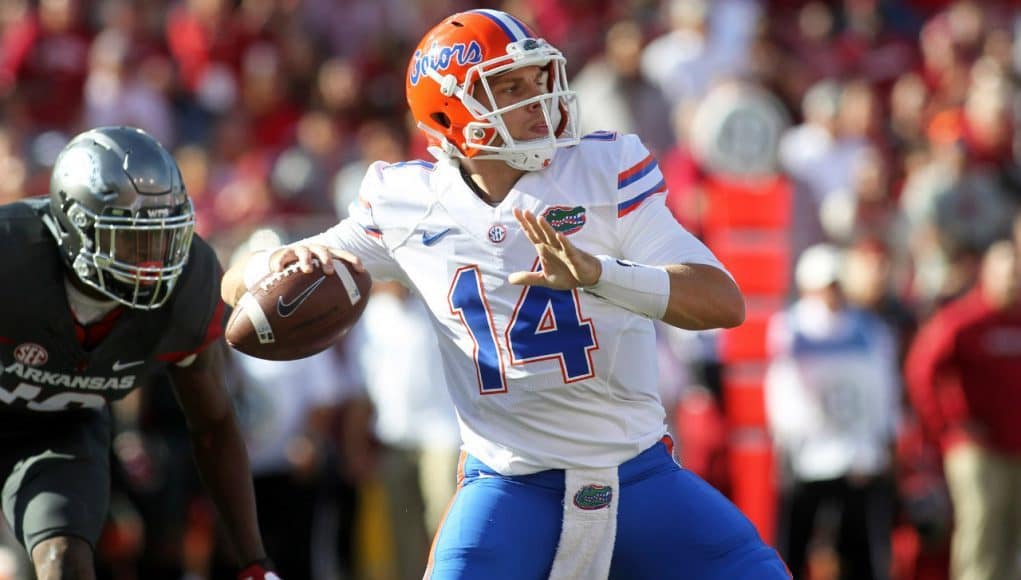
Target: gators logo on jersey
(593,497)
(565,220)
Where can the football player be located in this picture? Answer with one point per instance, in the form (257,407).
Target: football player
(109,286)
(544,258)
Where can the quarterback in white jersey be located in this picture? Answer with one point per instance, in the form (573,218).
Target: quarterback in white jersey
(544,258)
(541,378)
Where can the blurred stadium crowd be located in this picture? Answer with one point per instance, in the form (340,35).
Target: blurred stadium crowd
(888,126)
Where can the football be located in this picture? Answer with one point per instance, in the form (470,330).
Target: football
(290,314)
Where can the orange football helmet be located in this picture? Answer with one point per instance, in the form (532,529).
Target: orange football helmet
(473,47)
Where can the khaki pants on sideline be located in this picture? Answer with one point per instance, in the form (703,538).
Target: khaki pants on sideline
(418,484)
(986,491)
(437,476)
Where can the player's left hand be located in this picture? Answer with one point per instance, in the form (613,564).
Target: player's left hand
(564,266)
(257,571)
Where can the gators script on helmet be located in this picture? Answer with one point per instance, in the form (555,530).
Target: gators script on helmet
(448,89)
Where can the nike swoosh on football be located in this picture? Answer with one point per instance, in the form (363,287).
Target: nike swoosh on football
(118,366)
(285,309)
(430,239)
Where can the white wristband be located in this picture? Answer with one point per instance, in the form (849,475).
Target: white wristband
(257,268)
(639,288)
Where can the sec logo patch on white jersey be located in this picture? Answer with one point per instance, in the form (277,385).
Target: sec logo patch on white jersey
(497,233)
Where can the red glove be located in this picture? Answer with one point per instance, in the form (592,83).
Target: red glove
(258,570)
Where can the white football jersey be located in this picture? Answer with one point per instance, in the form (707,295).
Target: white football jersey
(541,379)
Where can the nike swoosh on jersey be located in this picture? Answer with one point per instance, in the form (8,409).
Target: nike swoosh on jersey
(430,239)
(285,309)
(118,366)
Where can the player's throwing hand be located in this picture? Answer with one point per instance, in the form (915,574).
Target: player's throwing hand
(564,266)
(303,254)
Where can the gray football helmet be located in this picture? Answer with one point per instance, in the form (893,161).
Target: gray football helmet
(122,218)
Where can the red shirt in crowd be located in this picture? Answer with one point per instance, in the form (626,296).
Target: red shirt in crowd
(964,374)
(47,67)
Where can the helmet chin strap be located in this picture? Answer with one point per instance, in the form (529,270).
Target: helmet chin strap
(533,160)
(528,160)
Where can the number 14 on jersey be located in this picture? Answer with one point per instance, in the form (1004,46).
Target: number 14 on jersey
(546,325)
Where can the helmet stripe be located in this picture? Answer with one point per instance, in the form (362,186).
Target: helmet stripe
(526,32)
(512,26)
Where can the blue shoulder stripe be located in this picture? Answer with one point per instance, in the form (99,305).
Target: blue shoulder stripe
(626,207)
(640,170)
(418,162)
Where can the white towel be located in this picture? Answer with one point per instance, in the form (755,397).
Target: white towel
(590,525)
